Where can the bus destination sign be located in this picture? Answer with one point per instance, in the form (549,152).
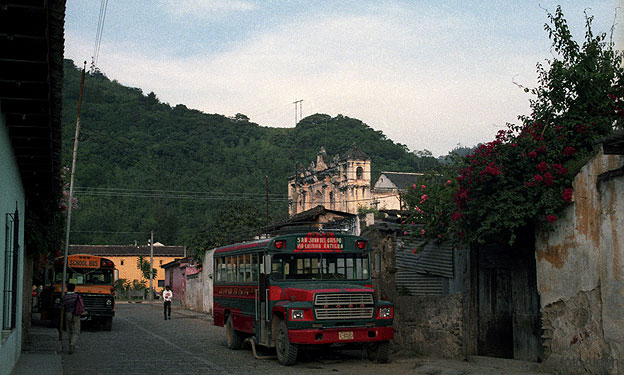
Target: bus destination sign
(319,242)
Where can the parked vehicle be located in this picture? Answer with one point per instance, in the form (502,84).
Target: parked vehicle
(299,290)
(94,280)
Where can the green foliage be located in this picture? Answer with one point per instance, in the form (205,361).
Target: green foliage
(525,175)
(132,141)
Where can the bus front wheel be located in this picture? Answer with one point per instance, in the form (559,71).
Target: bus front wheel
(286,351)
(234,339)
(108,323)
(379,352)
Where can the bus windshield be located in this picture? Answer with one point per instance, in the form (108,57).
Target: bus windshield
(323,266)
(85,276)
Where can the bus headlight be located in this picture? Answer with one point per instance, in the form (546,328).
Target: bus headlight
(109,302)
(385,312)
(57,301)
(296,314)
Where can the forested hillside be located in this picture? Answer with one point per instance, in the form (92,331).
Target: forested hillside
(194,178)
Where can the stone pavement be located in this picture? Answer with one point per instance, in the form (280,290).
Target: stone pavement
(43,355)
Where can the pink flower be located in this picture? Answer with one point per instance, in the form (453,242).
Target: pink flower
(567,195)
(422,187)
(405,233)
(414,186)
(551,218)
(422,232)
(439,235)
(543,167)
(424,197)
(548,179)
(448,182)
(569,151)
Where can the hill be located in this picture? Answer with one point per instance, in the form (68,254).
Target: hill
(144,165)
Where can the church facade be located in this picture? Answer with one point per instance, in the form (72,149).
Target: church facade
(341,184)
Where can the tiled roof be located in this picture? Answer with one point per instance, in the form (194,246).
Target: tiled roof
(403,180)
(123,250)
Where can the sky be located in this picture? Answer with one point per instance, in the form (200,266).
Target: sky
(429,74)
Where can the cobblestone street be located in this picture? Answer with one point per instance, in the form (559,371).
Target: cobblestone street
(142,342)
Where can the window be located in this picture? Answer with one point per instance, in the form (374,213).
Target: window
(11,255)
(359,173)
(161,283)
(121,262)
(161,262)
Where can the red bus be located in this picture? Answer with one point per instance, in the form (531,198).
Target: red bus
(301,290)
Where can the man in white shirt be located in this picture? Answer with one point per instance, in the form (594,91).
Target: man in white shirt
(167,296)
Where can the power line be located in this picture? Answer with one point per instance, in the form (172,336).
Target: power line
(98,35)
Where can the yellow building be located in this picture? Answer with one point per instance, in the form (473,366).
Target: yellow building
(126,259)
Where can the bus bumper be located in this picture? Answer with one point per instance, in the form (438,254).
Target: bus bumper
(342,335)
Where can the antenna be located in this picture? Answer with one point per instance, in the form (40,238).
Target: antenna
(297,119)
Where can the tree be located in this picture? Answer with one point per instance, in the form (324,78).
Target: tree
(144,266)
(525,175)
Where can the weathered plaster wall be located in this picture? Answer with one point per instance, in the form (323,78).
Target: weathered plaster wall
(430,325)
(194,294)
(580,271)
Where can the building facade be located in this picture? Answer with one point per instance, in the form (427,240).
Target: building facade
(340,184)
(126,259)
(389,186)
(31,66)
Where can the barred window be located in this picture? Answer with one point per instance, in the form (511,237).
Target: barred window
(11,255)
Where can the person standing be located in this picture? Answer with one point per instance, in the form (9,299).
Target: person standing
(167,296)
(72,321)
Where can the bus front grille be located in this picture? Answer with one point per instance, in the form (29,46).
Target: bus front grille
(96,302)
(344,306)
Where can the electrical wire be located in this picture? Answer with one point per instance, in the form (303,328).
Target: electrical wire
(98,35)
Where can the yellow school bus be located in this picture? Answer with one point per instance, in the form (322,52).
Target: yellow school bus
(94,278)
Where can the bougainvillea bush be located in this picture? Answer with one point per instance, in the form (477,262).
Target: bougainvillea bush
(525,174)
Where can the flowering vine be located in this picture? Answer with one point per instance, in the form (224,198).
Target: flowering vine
(525,175)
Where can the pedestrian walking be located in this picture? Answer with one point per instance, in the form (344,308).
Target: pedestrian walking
(74,307)
(167,296)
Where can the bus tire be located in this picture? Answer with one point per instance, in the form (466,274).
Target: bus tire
(108,323)
(233,338)
(286,351)
(379,352)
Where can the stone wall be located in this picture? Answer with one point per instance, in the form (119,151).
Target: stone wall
(430,325)
(580,275)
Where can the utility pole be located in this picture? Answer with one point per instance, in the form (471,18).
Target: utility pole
(267,198)
(297,118)
(70,198)
(151,294)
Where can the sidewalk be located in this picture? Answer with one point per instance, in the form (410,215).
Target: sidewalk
(42,355)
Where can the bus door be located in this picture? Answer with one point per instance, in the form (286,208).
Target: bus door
(263,316)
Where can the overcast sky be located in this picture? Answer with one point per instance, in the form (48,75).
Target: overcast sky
(429,74)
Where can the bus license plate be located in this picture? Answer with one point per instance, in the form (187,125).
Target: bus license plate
(348,335)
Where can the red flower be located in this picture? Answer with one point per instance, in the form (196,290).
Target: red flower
(538,178)
(548,179)
(543,167)
(541,149)
(532,154)
(529,184)
(569,151)
(567,194)
(456,216)
(551,218)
